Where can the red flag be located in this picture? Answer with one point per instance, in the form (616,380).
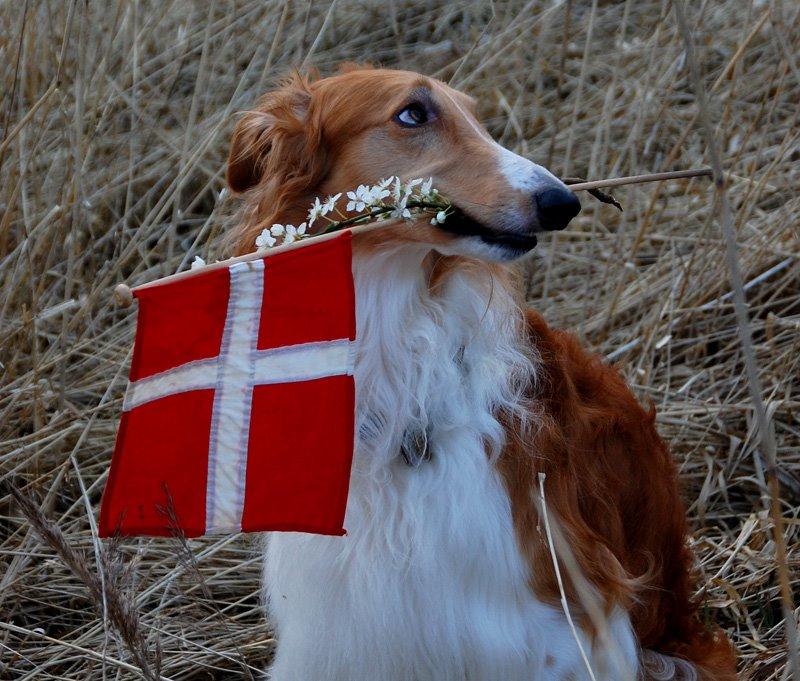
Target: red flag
(241,400)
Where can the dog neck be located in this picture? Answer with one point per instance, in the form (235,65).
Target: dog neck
(441,348)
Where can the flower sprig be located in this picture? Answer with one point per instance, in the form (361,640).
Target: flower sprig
(389,199)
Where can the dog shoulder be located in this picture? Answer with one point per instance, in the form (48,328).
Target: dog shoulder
(613,486)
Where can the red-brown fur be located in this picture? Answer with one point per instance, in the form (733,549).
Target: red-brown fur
(613,487)
(611,483)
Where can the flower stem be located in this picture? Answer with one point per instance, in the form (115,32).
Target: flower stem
(383,210)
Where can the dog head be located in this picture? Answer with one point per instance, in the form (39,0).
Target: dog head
(309,139)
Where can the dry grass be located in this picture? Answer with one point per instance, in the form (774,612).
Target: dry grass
(115,119)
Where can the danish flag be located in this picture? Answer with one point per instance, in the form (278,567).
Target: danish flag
(240,407)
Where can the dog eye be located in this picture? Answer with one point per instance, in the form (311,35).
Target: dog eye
(412,115)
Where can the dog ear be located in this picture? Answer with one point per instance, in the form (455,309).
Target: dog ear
(249,146)
(275,139)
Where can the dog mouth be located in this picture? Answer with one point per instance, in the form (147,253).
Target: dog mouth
(461,224)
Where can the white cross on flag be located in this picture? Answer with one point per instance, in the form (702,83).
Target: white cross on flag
(240,407)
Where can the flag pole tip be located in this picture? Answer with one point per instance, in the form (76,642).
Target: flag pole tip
(123,295)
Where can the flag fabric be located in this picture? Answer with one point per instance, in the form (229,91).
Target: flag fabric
(239,413)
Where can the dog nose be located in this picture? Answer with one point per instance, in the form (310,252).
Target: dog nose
(556,207)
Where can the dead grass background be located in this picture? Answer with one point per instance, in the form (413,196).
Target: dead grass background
(115,121)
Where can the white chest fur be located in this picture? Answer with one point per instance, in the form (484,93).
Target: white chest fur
(428,584)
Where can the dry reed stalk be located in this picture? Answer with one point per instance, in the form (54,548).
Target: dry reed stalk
(106,588)
(542,506)
(766,431)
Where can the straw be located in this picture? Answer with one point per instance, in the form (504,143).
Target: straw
(115,122)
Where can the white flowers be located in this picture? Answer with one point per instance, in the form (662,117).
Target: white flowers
(400,211)
(427,191)
(265,240)
(359,199)
(401,193)
(367,197)
(315,211)
(321,209)
(294,233)
(391,198)
(330,203)
(269,236)
(439,218)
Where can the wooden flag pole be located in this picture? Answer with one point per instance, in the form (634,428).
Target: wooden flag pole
(123,294)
